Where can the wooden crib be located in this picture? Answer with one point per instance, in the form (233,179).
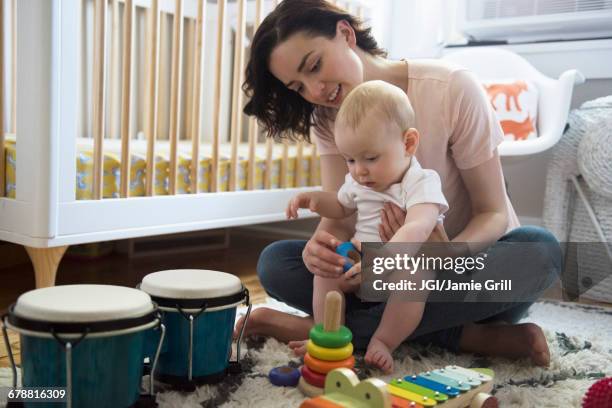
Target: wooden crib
(97,94)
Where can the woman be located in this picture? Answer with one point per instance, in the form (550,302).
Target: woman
(306,57)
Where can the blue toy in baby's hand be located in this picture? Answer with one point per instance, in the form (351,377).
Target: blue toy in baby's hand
(348,250)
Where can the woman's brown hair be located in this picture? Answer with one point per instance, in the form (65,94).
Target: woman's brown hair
(281,111)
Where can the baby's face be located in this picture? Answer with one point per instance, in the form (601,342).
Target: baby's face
(374,152)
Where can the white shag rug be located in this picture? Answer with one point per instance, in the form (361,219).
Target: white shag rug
(579,337)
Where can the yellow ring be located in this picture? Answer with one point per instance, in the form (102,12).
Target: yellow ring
(329,354)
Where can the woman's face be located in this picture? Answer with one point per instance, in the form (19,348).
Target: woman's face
(323,71)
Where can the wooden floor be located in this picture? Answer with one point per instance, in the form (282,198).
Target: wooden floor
(116,269)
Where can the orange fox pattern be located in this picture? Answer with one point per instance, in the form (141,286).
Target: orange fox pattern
(511,91)
(520,130)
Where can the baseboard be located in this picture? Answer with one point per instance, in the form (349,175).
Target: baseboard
(275,232)
(174,244)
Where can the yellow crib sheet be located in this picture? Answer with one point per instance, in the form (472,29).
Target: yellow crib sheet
(112,170)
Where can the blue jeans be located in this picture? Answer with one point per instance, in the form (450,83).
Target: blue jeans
(284,276)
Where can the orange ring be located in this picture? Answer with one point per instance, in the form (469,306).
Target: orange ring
(324,367)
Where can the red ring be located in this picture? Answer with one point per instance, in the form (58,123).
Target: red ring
(313,378)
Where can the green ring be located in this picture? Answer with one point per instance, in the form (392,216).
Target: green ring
(335,339)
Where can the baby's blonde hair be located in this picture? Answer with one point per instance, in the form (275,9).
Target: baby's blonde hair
(388,100)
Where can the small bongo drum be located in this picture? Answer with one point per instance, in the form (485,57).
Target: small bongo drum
(199,310)
(87,338)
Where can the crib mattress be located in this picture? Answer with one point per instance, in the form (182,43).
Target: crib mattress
(138,165)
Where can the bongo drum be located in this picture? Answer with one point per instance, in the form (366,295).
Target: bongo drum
(87,338)
(199,310)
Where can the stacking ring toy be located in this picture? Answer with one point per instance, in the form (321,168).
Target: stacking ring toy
(313,378)
(329,354)
(348,250)
(308,389)
(330,339)
(324,367)
(284,376)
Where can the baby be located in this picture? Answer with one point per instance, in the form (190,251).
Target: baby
(374,132)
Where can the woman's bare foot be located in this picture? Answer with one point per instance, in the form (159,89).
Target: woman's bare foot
(379,356)
(282,326)
(298,347)
(525,340)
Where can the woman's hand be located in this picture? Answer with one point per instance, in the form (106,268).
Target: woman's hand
(350,281)
(320,255)
(392,219)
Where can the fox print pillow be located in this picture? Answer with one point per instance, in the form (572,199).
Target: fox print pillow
(516,104)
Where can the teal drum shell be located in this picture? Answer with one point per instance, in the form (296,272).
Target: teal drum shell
(106,371)
(207,300)
(212,341)
(99,330)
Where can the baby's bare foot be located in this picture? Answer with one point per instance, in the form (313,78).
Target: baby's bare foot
(379,356)
(298,347)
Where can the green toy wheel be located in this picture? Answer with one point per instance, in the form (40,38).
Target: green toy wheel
(335,339)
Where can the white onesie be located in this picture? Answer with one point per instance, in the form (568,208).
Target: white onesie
(418,186)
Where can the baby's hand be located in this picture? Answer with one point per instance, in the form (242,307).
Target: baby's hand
(302,200)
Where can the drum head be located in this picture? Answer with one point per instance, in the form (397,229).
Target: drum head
(191,284)
(83,303)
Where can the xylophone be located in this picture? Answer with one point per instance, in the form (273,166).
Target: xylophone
(449,387)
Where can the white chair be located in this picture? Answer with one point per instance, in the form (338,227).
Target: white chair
(555,95)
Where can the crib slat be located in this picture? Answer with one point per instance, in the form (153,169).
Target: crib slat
(163,96)
(153,79)
(360,12)
(2,157)
(197,100)
(269,152)
(187,62)
(175,90)
(13,67)
(284,176)
(253,127)
(99,94)
(252,158)
(236,129)
(299,170)
(114,105)
(214,185)
(313,165)
(126,93)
